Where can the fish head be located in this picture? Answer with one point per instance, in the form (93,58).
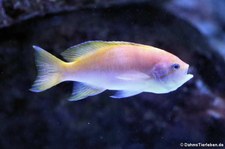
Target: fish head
(170,73)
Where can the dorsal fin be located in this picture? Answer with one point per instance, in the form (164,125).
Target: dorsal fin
(72,53)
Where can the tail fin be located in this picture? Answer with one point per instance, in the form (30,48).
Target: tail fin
(49,70)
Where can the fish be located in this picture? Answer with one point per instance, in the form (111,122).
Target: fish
(125,67)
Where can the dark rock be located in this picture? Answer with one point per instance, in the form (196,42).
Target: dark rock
(15,11)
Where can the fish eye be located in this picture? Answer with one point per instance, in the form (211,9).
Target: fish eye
(175,66)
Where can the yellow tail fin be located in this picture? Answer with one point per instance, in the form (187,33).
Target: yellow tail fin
(49,70)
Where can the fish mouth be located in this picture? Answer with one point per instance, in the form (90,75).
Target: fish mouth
(188,73)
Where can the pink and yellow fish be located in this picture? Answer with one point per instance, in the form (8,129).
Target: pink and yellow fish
(96,66)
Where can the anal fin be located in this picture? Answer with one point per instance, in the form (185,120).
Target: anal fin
(81,91)
(124,94)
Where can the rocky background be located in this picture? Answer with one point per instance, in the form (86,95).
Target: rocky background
(194,113)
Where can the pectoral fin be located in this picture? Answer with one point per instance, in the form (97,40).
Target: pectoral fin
(124,94)
(81,91)
(134,75)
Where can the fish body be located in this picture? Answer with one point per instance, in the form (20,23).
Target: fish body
(97,66)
